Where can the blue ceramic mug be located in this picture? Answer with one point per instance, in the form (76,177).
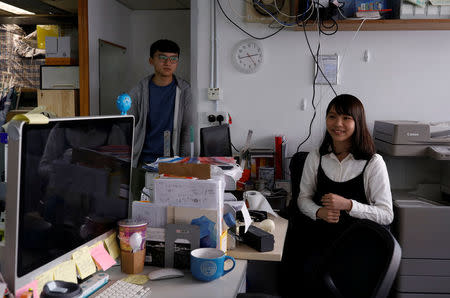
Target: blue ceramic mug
(207,263)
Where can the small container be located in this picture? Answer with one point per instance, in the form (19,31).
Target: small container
(126,228)
(132,262)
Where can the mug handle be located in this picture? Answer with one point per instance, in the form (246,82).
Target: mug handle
(234,264)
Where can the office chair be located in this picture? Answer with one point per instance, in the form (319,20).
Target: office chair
(296,223)
(363,262)
(215,141)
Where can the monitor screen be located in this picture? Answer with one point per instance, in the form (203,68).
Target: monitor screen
(74,185)
(215,141)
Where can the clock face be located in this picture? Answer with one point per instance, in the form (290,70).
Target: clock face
(248,56)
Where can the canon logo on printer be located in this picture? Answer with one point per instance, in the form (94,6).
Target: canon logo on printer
(412,134)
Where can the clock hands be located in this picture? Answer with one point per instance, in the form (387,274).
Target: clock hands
(248,56)
(251,58)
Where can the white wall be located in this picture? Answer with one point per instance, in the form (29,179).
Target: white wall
(135,30)
(406,77)
(148,26)
(110,21)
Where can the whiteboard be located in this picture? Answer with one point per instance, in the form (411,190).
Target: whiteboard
(112,65)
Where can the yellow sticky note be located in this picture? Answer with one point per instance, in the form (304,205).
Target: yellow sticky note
(44,278)
(84,262)
(111,245)
(136,279)
(66,271)
(31,118)
(92,246)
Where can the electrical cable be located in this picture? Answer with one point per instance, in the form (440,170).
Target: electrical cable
(289,16)
(252,36)
(273,16)
(313,105)
(316,61)
(235,12)
(234,147)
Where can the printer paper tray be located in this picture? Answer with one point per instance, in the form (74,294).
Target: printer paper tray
(423,284)
(401,150)
(428,267)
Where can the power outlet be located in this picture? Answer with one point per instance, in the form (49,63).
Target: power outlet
(215,93)
(204,117)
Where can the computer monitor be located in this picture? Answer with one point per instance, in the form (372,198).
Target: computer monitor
(68,185)
(215,141)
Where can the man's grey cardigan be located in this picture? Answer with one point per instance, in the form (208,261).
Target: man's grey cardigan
(183,117)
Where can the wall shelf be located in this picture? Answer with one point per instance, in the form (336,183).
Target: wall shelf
(389,25)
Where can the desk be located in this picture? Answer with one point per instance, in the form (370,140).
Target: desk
(242,251)
(227,286)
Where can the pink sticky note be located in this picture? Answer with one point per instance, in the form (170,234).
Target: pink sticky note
(102,257)
(32,285)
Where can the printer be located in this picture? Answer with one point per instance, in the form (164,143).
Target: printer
(421,227)
(413,138)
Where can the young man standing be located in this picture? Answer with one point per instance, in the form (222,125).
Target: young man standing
(161,104)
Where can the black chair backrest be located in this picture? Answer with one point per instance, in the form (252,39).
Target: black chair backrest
(363,262)
(215,141)
(296,168)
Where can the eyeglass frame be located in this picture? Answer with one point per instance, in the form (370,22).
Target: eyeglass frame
(169,59)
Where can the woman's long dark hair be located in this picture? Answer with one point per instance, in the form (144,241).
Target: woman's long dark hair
(362,143)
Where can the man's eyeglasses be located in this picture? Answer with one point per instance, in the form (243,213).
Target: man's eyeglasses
(171,59)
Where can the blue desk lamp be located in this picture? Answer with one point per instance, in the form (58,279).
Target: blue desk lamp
(123,103)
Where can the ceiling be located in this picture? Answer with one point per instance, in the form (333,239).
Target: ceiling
(156,4)
(68,7)
(65,11)
(45,7)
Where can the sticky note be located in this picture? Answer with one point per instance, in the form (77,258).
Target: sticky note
(44,278)
(137,279)
(32,118)
(32,285)
(102,257)
(83,261)
(112,246)
(66,271)
(96,244)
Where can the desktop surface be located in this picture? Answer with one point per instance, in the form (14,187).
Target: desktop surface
(243,251)
(187,286)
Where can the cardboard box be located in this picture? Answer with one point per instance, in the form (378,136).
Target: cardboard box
(201,171)
(132,263)
(60,61)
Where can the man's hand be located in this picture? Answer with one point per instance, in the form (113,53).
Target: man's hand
(328,215)
(333,201)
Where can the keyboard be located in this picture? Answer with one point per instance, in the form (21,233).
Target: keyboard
(120,288)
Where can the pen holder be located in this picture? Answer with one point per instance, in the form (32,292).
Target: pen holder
(132,262)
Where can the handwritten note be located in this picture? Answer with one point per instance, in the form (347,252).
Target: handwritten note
(44,278)
(84,262)
(154,215)
(102,257)
(188,193)
(66,271)
(111,245)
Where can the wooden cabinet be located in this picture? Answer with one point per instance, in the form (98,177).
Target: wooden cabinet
(64,103)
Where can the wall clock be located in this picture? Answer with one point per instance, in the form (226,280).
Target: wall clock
(248,56)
